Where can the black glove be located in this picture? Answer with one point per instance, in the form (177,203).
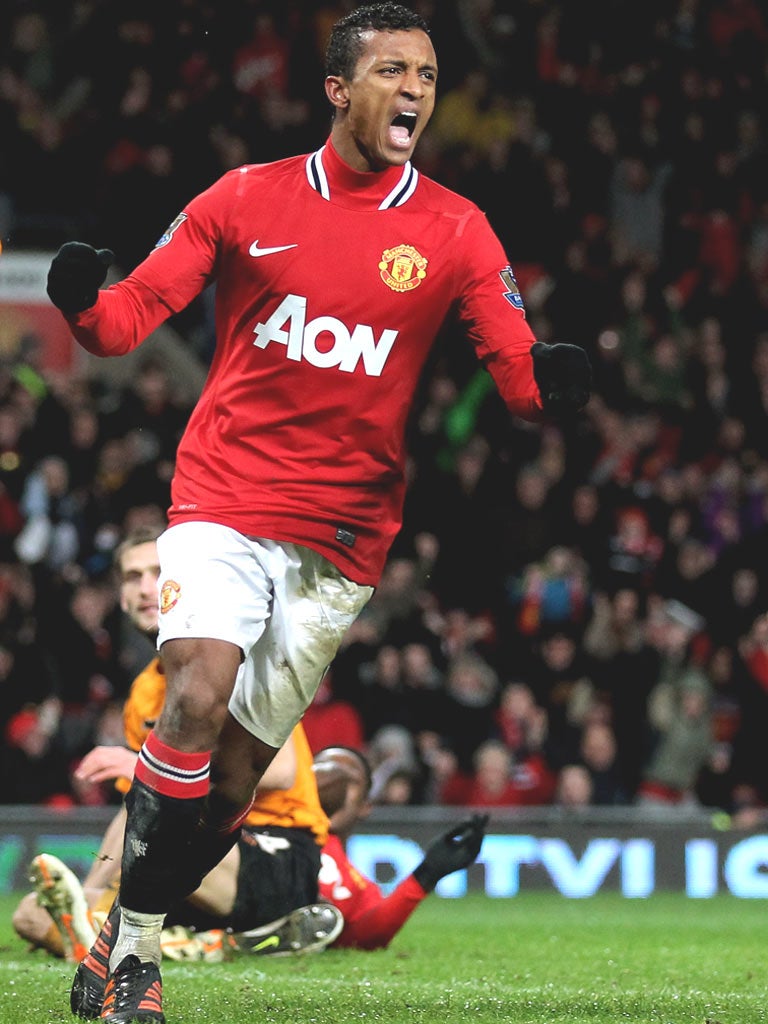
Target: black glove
(77,272)
(564,377)
(452,851)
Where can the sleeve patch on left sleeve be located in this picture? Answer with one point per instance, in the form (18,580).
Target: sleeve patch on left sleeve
(167,235)
(512,293)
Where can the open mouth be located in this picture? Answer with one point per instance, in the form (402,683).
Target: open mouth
(401,129)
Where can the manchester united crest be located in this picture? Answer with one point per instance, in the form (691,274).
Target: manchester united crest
(402,268)
(169,595)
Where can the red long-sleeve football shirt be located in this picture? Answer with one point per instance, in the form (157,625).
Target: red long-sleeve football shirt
(330,287)
(371,919)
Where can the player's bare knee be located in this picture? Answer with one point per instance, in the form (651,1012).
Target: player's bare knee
(194,713)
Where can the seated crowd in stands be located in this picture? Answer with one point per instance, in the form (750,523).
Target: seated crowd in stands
(572,616)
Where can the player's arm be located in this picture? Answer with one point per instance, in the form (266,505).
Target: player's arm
(535,380)
(377,919)
(281,773)
(372,920)
(112,321)
(104,763)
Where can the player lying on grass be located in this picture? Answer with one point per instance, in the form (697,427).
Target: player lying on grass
(371,919)
(272,901)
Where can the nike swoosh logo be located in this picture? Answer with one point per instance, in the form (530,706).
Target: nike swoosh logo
(273,940)
(256,251)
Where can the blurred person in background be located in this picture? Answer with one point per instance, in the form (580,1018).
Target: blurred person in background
(679,713)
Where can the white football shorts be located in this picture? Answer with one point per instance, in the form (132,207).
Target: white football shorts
(286,606)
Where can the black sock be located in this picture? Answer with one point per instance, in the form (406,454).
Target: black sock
(157,836)
(216,832)
(164,805)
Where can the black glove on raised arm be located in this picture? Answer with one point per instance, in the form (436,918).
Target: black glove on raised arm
(455,849)
(76,274)
(564,377)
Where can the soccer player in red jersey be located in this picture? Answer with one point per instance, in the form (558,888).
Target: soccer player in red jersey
(371,919)
(334,272)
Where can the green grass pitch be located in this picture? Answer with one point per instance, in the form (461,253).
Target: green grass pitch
(535,959)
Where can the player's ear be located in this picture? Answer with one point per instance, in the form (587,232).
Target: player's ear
(337,91)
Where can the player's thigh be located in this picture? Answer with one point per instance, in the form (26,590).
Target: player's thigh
(212,585)
(313,605)
(278,873)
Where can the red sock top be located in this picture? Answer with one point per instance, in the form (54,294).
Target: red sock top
(171,772)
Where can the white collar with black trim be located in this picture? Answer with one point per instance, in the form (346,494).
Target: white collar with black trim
(400,186)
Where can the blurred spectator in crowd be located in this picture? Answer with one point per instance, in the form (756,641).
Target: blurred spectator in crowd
(749,765)
(381,698)
(723,673)
(392,752)
(51,531)
(528,529)
(598,753)
(560,677)
(624,668)
(466,718)
(583,529)
(633,549)
(521,722)
(395,605)
(464,116)
(150,406)
(497,779)
(85,644)
(34,762)
(554,592)
(679,712)
(462,632)
(616,624)
(637,210)
(574,789)
(400,789)
(422,684)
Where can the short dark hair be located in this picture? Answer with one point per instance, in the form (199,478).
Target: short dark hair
(141,535)
(357,754)
(346,42)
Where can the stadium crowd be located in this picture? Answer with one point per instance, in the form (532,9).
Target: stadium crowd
(571,615)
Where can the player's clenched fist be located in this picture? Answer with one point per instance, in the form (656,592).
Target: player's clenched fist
(563,375)
(77,272)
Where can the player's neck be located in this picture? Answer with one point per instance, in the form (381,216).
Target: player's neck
(355,163)
(364,190)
